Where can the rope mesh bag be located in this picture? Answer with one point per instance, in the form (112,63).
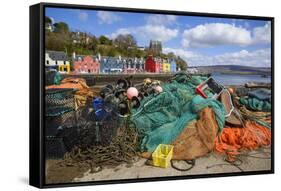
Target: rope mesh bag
(162,117)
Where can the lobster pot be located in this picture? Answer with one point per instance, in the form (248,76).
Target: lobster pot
(54,147)
(70,136)
(64,140)
(59,101)
(59,112)
(107,131)
(97,129)
(53,123)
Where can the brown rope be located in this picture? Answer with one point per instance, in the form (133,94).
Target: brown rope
(122,149)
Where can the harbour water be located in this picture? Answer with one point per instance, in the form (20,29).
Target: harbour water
(236,79)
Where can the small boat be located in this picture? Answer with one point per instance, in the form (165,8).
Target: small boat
(257,85)
(232,116)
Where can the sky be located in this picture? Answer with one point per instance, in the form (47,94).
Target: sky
(198,40)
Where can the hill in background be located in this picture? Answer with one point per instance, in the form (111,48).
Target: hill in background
(234,69)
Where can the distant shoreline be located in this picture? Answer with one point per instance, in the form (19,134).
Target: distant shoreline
(245,73)
(234,69)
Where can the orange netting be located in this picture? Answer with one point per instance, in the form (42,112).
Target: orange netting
(75,83)
(83,90)
(233,140)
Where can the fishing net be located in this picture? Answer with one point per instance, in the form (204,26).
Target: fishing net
(232,141)
(261,94)
(54,147)
(82,93)
(162,117)
(256,104)
(198,138)
(59,101)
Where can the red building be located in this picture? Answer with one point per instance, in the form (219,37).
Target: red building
(86,64)
(153,65)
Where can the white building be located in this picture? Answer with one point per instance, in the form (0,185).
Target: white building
(192,70)
(49,27)
(57,60)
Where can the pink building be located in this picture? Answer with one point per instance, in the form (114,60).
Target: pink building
(158,65)
(86,64)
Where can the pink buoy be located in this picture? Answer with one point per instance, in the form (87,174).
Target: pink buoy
(158,89)
(131,92)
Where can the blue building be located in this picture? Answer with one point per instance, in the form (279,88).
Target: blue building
(134,65)
(173,66)
(121,65)
(112,65)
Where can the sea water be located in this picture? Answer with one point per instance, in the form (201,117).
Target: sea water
(236,79)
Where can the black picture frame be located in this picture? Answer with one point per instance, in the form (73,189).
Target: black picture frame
(37,91)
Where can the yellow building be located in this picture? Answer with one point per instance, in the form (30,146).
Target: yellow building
(64,68)
(57,59)
(166,67)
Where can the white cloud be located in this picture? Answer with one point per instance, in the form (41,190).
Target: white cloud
(181,52)
(258,58)
(161,19)
(214,34)
(147,32)
(155,28)
(261,57)
(262,34)
(83,16)
(161,33)
(107,17)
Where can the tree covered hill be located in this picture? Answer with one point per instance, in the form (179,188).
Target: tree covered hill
(60,38)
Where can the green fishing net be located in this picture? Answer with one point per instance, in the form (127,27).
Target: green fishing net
(59,101)
(255,104)
(162,117)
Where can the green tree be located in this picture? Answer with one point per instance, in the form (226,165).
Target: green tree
(182,64)
(48,20)
(93,44)
(125,41)
(58,41)
(171,55)
(104,40)
(112,52)
(61,27)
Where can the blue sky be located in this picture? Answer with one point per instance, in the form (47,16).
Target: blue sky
(199,40)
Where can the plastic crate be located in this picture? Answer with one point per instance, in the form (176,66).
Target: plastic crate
(162,155)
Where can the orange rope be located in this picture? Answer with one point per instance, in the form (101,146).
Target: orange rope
(233,140)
